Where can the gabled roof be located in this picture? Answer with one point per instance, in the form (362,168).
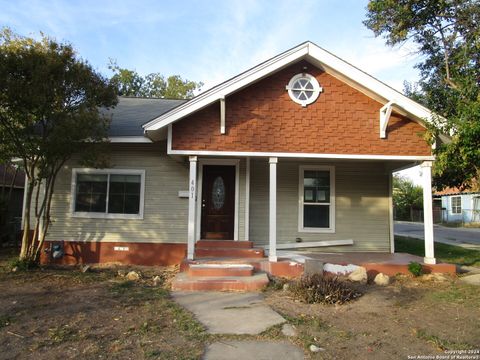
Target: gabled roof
(131,113)
(315,55)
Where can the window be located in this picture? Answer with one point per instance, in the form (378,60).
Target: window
(456,204)
(108,193)
(304,89)
(316,199)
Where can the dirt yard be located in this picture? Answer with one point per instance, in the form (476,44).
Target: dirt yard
(410,317)
(67,314)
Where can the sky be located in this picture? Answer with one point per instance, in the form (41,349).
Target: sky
(209,40)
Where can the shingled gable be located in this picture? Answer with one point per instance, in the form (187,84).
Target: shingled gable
(318,57)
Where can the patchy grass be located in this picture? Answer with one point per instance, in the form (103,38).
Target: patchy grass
(443,252)
(439,343)
(60,334)
(461,294)
(54,311)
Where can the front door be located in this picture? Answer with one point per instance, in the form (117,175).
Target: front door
(218,202)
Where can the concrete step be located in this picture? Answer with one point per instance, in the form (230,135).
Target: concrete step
(229,253)
(184,282)
(283,267)
(224,244)
(216,270)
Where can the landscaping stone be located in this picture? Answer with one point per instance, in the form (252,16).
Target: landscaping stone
(286,287)
(315,348)
(313,266)
(382,279)
(471,279)
(289,330)
(157,280)
(469,269)
(359,275)
(263,350)
(435,277)
(133,276)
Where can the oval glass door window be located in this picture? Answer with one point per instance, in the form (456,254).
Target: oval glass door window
(218,193)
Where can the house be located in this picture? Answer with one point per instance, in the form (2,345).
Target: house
(296,152)
(456,206)
(12,183)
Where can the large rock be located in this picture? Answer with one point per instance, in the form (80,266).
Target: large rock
(133,276)
(382,279)
(471,279)
(359,274)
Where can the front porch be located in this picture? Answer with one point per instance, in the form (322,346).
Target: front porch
(276,210)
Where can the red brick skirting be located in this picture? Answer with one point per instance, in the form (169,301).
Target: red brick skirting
(149,254)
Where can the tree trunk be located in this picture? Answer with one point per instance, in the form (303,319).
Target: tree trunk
(26,221)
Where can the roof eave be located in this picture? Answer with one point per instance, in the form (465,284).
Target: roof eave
(311,52)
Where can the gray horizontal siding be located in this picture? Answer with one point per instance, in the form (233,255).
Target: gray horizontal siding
(362,212)
(165,214)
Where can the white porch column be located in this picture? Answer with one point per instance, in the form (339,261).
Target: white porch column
(247,199)
(192,187)
(427,212)
(272,233)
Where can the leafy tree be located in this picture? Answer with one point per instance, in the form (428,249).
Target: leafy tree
(49,110)
(130,83)
(447,34)
(406,197)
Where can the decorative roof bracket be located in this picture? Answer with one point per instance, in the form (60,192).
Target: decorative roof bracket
(385,113)
(222,115)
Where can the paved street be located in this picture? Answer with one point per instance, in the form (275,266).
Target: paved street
(455,236)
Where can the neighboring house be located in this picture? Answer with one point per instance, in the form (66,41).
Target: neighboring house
(12,183)
(297,152)
(458,206)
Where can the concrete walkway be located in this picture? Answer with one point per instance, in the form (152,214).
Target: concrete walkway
(239,314)
(229,312)
(258,350)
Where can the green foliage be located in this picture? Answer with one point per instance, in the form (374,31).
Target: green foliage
(415,268)
(447,35)
(60,334)
(440,343)
(406,196)
(49,110)
(316,288)
(130,83)
(23,264)
(443,252)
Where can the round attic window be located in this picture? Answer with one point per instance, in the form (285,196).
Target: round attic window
(304,89)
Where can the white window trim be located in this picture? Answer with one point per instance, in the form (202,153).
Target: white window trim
(98,215)
(451,205)
(317,89)
(301,173)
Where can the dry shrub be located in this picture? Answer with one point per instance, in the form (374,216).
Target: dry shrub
(316,288)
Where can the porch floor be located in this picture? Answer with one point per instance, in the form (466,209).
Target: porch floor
(387,263)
